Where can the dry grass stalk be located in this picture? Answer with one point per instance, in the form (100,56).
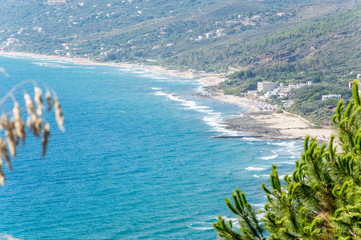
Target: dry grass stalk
(59,114)
(14,129)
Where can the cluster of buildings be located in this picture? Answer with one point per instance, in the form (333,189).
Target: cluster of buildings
(282,91)
(212,34)
(271,89)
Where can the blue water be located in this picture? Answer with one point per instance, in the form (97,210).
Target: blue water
(136,160)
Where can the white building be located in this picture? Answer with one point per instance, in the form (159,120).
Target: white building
(266,86)
(299,85)
(325,97)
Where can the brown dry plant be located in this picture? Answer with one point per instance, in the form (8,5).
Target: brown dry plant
(12,123)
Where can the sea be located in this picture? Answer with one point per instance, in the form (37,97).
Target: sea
(136,160)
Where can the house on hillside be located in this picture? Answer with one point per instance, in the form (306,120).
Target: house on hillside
(326,97)
(266,86)
(299,85)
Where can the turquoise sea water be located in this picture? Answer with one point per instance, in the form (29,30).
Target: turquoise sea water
(136,160)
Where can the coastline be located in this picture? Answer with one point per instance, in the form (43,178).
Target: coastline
(267,124)
(208,79)
(278,126)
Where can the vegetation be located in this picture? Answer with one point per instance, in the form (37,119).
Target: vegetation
(200,34)
(309,103)
(320,199)
(272,40)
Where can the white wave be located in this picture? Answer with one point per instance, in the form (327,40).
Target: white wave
(255,169)
(260,176)
(275,155)
(202,91)
(258,205)
(160,94)
(283,144)
(213,119)
(8,237)
(291,162)
(294,152)
(216,122)
(153,76)
(193,105)
(156,88)
(159,76)
(49,64)
(130,70)
(250,139)
(203,226)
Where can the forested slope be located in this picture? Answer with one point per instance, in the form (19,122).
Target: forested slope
(274,40)
(207,35)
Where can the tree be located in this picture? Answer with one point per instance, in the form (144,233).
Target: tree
(320,199)
(13,126)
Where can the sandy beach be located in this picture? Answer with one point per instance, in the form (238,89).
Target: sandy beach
(278,126)
(269,124)
(209,79)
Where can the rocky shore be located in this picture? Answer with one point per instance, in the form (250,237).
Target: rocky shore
(277,126)
(249,124)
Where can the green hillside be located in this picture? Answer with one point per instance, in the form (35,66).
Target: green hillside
(170,32)
(276,40)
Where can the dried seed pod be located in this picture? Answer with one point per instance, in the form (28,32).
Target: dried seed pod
(16,112)
(46,135)
(30,124)
(29,104)
(59,114)
(4,121)
(5,153)
(14,130)
(18,123)
(37,126)
(49,100)
(39,101)
(2,176)
(20,129)
(10,138)
(9,133)
(22,132)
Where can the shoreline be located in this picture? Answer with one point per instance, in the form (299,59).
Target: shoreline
(270,125)
(208,79)
(278,126)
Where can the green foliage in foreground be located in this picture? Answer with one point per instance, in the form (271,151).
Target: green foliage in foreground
(320,200)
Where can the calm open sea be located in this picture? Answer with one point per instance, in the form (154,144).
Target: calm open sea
(136,160)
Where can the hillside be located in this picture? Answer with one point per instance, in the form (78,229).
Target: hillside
(167,31)
(276,40)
